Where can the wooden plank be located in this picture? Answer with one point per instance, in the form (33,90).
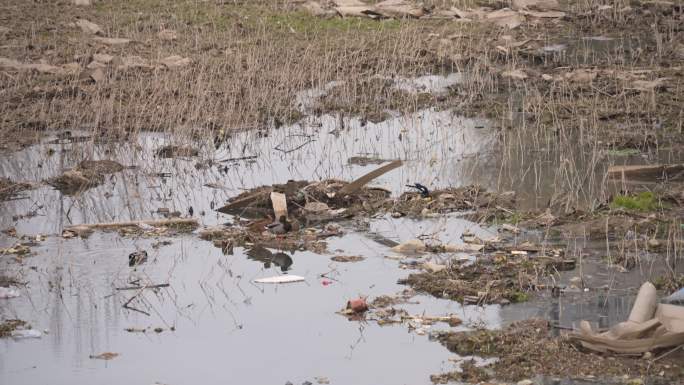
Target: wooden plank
(647,172)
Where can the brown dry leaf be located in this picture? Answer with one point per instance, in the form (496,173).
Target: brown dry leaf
(105,356)
(542,5)
(175,61)
(167,35)
(514,74)
(467,15)
(505,18)
(103,58)
(581,76)
(98,75)
(134,62)
(89,27)
(502,49)
(547,14)
(112,40)
(95,64)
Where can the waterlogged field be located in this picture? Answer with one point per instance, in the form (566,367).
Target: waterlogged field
(531,179)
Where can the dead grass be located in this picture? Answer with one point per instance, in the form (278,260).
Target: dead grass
(247,62)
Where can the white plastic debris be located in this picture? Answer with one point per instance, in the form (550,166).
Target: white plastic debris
(26,333)
(6,292)
(280,279)
(675,298)
(412,246)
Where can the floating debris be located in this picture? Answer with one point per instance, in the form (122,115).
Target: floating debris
(104,356)
(280,279)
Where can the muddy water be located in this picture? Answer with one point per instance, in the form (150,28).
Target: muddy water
(228,329)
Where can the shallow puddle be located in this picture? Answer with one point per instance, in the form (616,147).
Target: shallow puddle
(227,328)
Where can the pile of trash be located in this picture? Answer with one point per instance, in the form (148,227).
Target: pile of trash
(651,326)
(310,202)
(449,200)
(289,216)
(382,311)
(501,275)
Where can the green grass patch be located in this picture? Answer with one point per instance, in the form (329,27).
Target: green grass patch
(518,297)
(645,201)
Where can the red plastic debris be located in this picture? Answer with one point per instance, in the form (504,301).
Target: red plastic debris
(357,305)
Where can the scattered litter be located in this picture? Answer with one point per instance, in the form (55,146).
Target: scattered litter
(357,305)
(541,5)
(365,160)
(137,258)
(510,228)
(362,181)
(413,246)
(112,40)
(17,249)
(514,74)
(461,247)
(676,298)
(26,333)
(89,27)
(6,292)
(175,61)
(347,258)
(646,85)
(134,63)
(177,223)
(167,35)
(280,279)
(104,356)
(581,76)
(646,172)
(433,267)
(650,326)
(279,202)
(504,18)
(103,58)
(10,325)
(98,75)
